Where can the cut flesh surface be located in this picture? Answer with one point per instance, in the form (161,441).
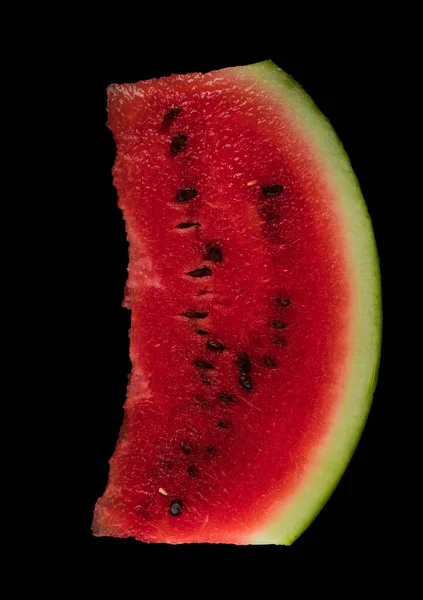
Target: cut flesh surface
(254,291)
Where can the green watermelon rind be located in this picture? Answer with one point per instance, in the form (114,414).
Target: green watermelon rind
(333,456)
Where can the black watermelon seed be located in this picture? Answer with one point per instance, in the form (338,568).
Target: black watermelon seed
(278,324)
(186,194)
(215,346)
(194,314)
(178,143)
(222,425)
(269,362)
(213,252)
(176,507)
(283,301)
(187,224)
(246,382)
(211,450)
(201,364)
(201,272)
(172,113)
(243,362)
(226,397)
(192,471)
(186,448)
(272,189)
(202,332)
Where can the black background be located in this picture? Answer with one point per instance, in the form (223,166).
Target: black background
(348,85)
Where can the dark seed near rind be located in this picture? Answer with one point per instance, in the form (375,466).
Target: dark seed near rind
(192,471)
(283,301)
(278,324)
(243,362)
(186,448)
(187,225)
(172,113)
(202,332)
(176,507)
(222,425)
(194,314)
(246,382)
(269,362)
(213,252)
(178,143)
(202,364)
(201,272)
(215,346)
(272,189)
(227,398)
(186,194)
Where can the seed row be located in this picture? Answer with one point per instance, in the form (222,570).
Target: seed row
(213,253)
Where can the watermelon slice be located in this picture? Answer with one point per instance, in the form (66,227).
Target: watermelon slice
(255,303)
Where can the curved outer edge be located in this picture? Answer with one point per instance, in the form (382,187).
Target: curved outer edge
(336,451)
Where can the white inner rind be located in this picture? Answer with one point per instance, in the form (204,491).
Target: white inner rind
(333,455)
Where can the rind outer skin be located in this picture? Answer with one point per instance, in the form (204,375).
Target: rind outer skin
(333,455)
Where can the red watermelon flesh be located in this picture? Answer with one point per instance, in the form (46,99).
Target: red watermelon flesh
(242,307)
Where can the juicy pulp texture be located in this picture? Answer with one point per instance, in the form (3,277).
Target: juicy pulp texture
(241,462)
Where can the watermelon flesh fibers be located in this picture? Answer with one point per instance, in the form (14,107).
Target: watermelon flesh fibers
(253,286)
